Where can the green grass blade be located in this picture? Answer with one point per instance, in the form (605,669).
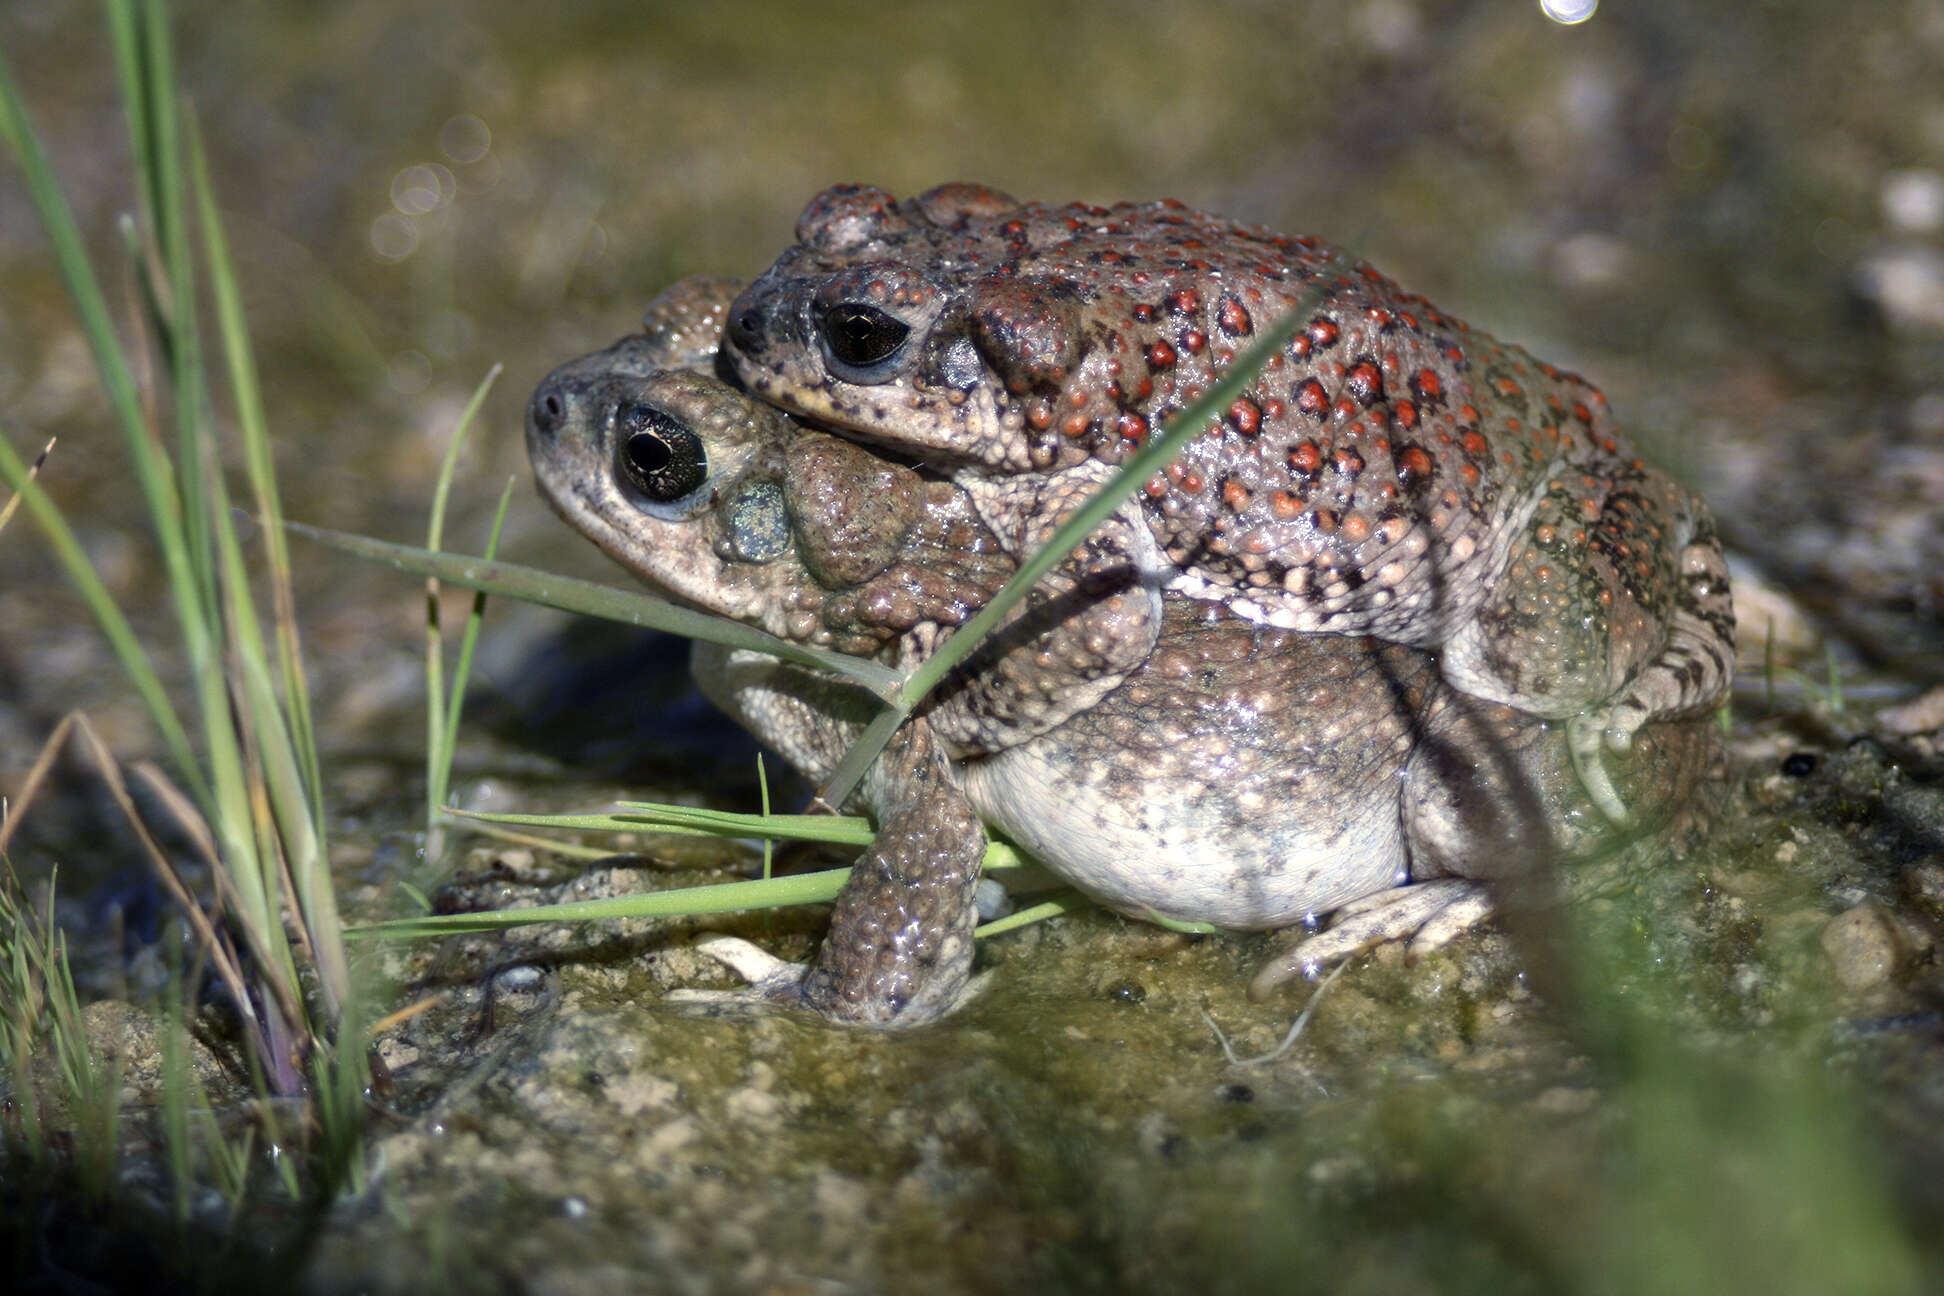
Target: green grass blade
(720,898)
(260,468)
(1057,907)
(301,836)
(590,598)
(689,821)
(683,902)
(850,770)
(177,323)
(695,821)
(441,722)
(126,42)
(469,642)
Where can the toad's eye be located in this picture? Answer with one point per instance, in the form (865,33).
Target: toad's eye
(658,454)
(861,336)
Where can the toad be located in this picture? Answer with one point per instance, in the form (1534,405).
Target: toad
(1390,472)
(1208,768)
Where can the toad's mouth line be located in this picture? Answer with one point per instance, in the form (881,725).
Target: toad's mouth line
(929,463)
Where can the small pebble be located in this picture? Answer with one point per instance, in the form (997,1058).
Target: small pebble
(524,977)
(1924,715)
(1862,947)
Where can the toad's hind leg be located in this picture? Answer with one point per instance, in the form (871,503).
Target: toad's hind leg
(1613,613)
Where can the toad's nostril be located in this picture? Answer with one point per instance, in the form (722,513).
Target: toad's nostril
(746,325)
(549,410)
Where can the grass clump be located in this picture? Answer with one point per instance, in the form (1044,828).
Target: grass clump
(241,781)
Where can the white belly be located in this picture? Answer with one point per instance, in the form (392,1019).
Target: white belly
(1254,853)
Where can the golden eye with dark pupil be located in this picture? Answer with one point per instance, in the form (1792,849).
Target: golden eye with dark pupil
(862,335)
(660,456)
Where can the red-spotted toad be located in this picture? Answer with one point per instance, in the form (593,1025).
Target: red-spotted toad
(1391,472)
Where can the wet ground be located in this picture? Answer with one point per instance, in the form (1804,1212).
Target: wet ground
(1732,217)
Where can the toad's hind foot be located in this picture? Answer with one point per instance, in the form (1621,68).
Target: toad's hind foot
(1587,740)
(773,983)
(778,985)
(1432,914)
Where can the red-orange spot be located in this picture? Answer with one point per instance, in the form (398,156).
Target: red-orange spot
(1184,301)
(1365,382)
(1283,506)
(1160,355)
(1311,399)
(1322,332)
(1246,416)
(1473,443)
(1132,427)
(1414,468)
(1235,495)
(1305,458)
(1233,318)
(1192,341)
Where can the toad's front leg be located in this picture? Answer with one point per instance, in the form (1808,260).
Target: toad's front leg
(899,950)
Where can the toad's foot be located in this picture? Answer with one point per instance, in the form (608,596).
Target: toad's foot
(1588,738)
(1432,914)
(773,984)
(899,949)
